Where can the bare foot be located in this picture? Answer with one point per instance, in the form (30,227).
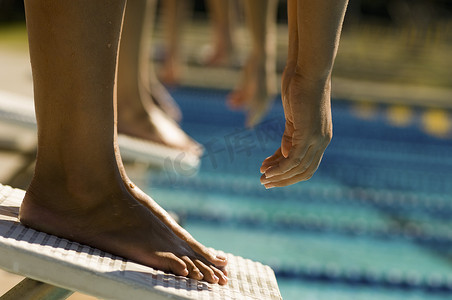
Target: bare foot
(163,99)
(256,91)
(152,124)
(216,55)
(170,72)
(106,216)
(211,255)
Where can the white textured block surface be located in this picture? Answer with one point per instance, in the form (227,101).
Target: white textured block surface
(82,268)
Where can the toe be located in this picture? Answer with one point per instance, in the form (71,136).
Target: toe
(209,274)
(223,279)
(217,258)
(258,109)
(193,270)
(174,264)
(236,100)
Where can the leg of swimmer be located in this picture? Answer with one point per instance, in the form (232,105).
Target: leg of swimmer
(258,85)
(73,57)
(220,16)
(262,22)
(159,94)
(174,12)
(77,191)
(135,70)
(138,115)
(129,84)
(131,70)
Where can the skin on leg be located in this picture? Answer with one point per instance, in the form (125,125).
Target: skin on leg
(222,46)
(77,191)
(258,85)
(151,84)
(161,96)
(174,15)
(138,115)
(314,32)
(132,77)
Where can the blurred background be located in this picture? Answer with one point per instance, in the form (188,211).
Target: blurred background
(375,222)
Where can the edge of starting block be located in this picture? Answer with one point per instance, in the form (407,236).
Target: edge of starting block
(81,268)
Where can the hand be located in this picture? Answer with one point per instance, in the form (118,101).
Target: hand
(308,130)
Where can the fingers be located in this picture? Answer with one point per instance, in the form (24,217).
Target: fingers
(273,174)
(300,173)
(301,177)
(294,159)
(299,165)
(286,142)
(271,160)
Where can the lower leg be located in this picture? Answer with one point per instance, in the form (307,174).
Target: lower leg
(77,191)
(258,86)
(174,13)
(154,88)
(138,115)
(220,16)
(146,121)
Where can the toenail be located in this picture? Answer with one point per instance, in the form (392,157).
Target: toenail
(221,257)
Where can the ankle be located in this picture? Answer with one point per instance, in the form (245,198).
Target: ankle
(75,188)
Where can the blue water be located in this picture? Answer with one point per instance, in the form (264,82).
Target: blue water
(375,222)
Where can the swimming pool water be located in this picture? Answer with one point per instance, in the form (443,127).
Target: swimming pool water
(375,222)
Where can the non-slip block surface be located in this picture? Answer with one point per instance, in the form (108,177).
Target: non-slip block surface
(82,268)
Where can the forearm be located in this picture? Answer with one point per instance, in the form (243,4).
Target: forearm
(292,55)
(319,25)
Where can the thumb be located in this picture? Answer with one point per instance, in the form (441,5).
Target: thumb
(286,141)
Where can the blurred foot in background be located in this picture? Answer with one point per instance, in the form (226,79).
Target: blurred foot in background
(221,51)
(145,109)
(257,88)
(174,16)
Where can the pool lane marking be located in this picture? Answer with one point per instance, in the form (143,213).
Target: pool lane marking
(400,115)
(437,122)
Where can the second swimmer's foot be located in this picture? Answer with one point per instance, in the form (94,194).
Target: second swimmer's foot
(158,127)
(255,94)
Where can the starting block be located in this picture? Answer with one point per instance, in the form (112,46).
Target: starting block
(55,267)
